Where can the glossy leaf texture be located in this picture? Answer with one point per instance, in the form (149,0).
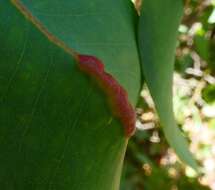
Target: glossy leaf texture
(56,128)
(158,28)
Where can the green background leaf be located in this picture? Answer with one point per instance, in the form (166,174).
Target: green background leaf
(158,28)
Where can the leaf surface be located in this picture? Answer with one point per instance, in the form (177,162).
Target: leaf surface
(158,28)
(56,128)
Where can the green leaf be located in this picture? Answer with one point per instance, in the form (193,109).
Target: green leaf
(103,29)
(202,46)
(56,128)
(158,28)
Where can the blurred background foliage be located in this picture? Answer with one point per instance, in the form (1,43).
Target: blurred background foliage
(150,163)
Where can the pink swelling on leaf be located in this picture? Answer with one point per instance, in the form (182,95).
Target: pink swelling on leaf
(116,94)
